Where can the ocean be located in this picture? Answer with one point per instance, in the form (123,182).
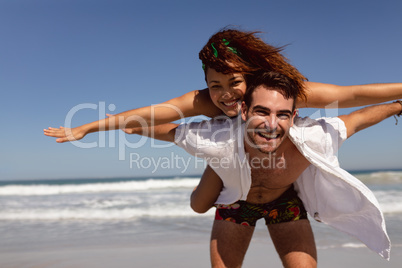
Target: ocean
(45,214)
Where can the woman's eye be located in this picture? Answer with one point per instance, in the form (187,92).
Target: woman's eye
(235,83)
(216,87)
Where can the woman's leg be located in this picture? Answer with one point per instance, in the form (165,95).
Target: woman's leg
(207,191)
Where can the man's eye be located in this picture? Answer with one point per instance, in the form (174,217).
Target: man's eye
(263,113)
(283,116)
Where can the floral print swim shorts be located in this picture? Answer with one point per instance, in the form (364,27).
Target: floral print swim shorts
(288,207)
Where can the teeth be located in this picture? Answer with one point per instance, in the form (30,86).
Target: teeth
(230,103)
(269,136)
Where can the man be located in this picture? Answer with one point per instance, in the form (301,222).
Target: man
(262,160)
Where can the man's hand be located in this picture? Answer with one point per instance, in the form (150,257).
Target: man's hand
(369,116)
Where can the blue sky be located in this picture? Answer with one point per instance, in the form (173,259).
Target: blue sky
(55,55)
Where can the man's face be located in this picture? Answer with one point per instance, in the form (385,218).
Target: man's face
(268,119)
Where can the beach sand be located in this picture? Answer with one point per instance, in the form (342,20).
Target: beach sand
(195,255)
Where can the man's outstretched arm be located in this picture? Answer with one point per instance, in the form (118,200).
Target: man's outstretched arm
(369,116)
(165,132)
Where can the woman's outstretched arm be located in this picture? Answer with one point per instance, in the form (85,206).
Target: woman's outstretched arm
(320,95)
(194,103)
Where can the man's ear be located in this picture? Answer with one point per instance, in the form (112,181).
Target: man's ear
(295,112)
(244,110)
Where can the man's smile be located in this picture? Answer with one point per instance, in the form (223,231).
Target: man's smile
(268,135)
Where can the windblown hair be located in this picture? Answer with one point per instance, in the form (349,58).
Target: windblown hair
(251,55)
(275,81)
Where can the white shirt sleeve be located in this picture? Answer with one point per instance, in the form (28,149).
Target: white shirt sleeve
(205,138)
(324,136)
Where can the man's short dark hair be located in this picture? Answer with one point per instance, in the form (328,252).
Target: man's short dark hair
(276,81)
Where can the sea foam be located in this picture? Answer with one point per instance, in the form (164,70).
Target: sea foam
(126,186)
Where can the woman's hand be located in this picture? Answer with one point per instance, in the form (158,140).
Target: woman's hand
(65,134)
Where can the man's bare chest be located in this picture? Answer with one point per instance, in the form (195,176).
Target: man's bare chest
(279,175)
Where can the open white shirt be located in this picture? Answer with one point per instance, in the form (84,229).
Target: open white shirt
(329,193)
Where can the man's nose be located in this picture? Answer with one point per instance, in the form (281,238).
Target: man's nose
(271,123)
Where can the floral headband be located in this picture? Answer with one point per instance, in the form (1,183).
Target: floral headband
(226,43)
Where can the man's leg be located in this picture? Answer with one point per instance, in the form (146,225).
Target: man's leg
(294,242)
(229,243)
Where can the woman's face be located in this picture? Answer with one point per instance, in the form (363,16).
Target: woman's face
(226,91)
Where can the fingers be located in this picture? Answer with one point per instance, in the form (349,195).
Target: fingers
(130,131)
(63,134)
(48,132)
(55,132)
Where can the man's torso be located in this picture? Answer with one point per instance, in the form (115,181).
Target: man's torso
(273,174)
